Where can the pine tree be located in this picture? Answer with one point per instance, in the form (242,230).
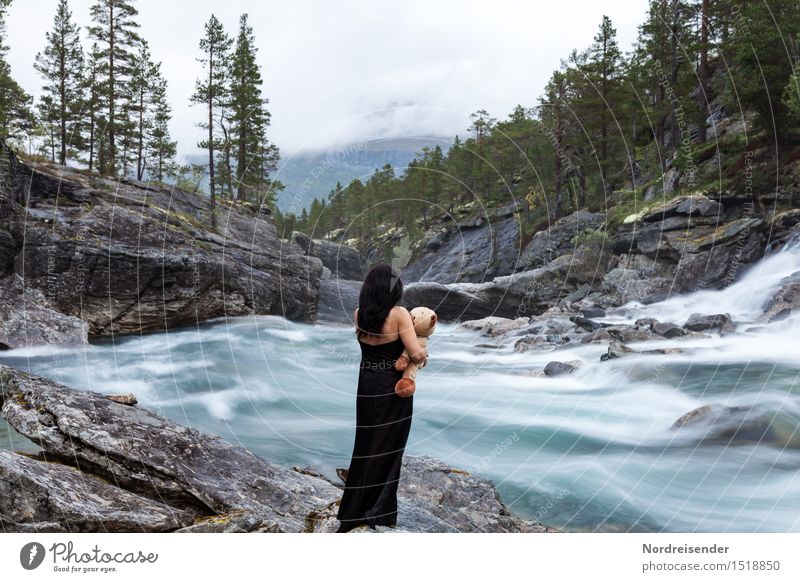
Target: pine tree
(764,64)
(15,113)
(212,91)
(92,105)
(162,150)
(603,72)
(255,158)
(554,115)
(143,73)
(61,65)
(115,31)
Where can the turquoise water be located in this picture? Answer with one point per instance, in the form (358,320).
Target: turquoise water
(592,451)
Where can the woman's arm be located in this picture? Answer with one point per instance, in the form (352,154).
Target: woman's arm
(405,328)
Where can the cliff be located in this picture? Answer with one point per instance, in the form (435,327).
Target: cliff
(84,255)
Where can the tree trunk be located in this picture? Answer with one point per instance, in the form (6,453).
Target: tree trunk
(63,94)
(211,178)
(111,91)
(675,65)
(140,138)
(704,16)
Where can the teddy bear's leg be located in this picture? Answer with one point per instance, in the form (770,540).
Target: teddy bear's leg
(406,385)
(401,363)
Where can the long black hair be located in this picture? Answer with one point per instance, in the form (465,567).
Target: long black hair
(382,290)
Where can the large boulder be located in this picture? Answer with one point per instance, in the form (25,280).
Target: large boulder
(26,319)
(436,498)
(152,456)
(36,496)
(785,301)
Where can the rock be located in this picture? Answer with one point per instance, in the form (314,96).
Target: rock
(731,425)
(720,322)
(692,416)
(588,324)
(8,250)
(237,521)
(153,456)
(627,333)
(433,497)
(557,240)
(785,301)
(50,497)
(27,319)
(126,257)
(343,261)
(483,323)
(528,342)
(695,204)
(338,299)
(668,330)
(126,399)
(201,482)
(495,326)
(590,312)
(689,243)
(513,296)
(618,350)
(470,252)
(558,369)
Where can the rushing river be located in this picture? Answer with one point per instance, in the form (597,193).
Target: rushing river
(592,451)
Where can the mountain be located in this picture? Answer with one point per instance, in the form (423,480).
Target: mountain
(309,175)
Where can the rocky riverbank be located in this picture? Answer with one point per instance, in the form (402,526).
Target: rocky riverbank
(107,464)
(84,255)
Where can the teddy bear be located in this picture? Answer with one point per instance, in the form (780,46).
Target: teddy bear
(424,323)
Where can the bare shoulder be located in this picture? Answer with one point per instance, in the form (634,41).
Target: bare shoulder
(398,311)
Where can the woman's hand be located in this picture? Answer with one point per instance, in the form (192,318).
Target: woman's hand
(420,358)
(405,329)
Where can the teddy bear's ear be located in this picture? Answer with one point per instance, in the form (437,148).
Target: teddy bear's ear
(433,319)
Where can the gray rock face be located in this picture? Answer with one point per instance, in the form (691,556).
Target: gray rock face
(125,257)
(176,478)
(668,330)
(470,252)
(691,242)
(720,322)
(786,300)
(36,496)
(338,299)
(433,497)
(516,295)
(558,369)
(556,241)
(27,320)
(691,205)
(153,456)
(732,425)
(343,261)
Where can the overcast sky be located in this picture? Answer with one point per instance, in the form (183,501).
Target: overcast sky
(340,72)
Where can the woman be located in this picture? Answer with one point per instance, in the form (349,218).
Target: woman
(383,419)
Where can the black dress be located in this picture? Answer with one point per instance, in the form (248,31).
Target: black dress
(383,421)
